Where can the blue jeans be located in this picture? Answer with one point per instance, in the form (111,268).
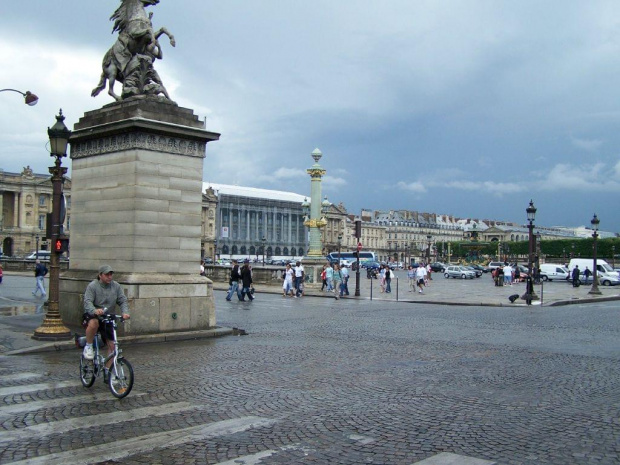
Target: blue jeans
(234,289)
(388,287)
(297,283)
(246,291)
(40,286)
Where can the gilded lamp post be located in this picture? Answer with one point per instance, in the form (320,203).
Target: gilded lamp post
(53,327)
(315,221)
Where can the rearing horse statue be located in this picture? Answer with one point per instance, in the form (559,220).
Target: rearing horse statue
(130,60)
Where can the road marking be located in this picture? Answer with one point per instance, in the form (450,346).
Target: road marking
(122,449)
(447,458)
(256,458)
(9,391)
(20,377)
(63,426)
(9,410)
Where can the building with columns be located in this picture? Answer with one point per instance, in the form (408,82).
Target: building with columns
(25,200)
(251,222)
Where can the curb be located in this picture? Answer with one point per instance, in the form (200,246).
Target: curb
(130,340)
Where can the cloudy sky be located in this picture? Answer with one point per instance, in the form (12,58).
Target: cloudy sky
(467,108)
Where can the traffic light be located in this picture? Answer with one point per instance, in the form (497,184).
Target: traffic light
(61,245)
(358,229)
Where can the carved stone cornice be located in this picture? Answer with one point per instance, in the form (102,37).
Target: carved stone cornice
(137,140)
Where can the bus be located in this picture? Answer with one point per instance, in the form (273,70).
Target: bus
(351,257)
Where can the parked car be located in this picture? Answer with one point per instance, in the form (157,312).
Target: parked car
(484,269)
(456,271)
(438,267)
(372,265)
(478,272)
(492,265)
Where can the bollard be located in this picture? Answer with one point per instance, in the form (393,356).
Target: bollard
(371,280)
(396,289)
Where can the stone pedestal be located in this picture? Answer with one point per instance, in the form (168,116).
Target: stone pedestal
(136,202)
(313,266)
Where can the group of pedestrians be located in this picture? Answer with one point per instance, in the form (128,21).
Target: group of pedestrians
(293,284)
(241,275)
(419,277)
(335,279)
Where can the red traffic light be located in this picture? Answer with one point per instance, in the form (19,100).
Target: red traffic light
(61,245)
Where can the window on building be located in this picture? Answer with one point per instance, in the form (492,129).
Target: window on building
(42,200)
(41,222)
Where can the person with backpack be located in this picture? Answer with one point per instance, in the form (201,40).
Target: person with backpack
(235,276)
(40,270)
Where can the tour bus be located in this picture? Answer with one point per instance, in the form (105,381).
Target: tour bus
(332,257)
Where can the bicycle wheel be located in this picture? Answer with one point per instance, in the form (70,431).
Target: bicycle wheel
(87,372)
(121,382)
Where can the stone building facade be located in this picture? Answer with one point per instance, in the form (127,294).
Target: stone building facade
(254,222)
(25,200)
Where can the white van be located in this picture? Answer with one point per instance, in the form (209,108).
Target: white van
(43,255)
(603,267)
(551,271)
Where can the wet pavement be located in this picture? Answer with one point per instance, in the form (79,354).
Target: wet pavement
(320,381)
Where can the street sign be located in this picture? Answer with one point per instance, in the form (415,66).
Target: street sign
(359,246)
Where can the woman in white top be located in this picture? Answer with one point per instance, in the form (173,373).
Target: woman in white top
(287,286)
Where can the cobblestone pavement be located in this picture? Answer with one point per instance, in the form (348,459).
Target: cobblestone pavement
(319,381)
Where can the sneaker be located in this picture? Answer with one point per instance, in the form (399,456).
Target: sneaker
(88,352)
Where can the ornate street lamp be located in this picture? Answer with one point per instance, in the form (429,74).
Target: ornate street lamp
(29,98)
(594,290)
(529,293)
(339,245)
(52,327)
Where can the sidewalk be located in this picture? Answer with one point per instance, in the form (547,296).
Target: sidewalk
(21,314)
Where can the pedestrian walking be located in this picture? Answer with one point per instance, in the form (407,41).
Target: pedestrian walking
(345,280)
(40,270)
(337,278)
(388,279)
(411,278)
(382,277)
(420,275)
(324,278)
(299,277)
(329,276)
(0,274)
(507,274)
(287,286)
(246,281)
(575,276)
(233,281)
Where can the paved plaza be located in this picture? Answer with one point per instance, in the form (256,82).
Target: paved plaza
(319,381)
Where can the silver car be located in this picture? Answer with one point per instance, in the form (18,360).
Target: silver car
(455,271)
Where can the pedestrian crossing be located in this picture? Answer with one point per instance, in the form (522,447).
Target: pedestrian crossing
(97,424)
(82,430)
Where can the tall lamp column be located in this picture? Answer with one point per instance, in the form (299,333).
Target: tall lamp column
(529,293)
(315,222)
(595,290)
(52,328)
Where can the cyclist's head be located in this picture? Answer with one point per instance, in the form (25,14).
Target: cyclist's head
(105,273)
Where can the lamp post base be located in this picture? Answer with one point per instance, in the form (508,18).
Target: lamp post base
(52,329)
(595,290)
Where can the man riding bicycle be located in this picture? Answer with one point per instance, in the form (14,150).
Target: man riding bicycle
(101,296)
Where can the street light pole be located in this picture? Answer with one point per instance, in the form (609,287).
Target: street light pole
(529,293)
(594,290)
(339,245)
(37,249)
(613,257)
(29,98)
(264,241)
(428,251)
(53,327)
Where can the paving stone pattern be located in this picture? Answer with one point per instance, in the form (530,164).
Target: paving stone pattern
(319,381)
